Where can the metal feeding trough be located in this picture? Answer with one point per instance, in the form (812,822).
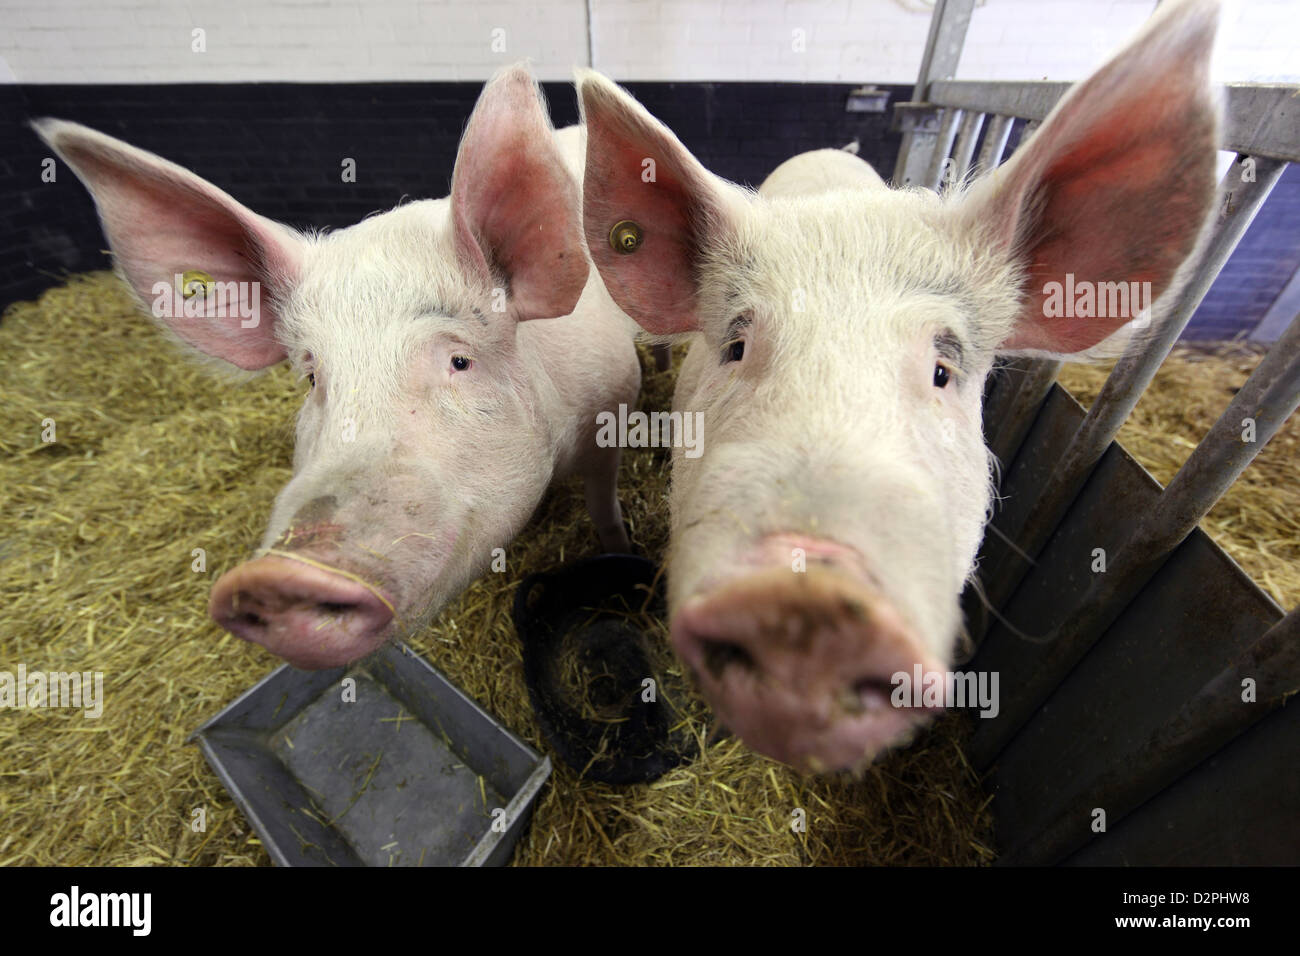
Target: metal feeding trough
(385,763)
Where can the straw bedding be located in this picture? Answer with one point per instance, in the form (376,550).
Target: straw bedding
(155,458)
(1257,522)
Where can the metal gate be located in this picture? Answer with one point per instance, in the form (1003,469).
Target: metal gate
(1123,691)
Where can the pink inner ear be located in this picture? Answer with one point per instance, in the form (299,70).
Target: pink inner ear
(523,215)
(1093,237)
(515,206)
(208,238)
(655,285)
(161,222)
(1117,207)
(1114,187)
(678,212)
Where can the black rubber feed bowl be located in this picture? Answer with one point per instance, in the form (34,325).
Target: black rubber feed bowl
(587,657)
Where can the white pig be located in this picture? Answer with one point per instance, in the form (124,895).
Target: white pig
(841,333)
(438,411)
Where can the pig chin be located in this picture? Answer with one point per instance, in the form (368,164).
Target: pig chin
(801,664)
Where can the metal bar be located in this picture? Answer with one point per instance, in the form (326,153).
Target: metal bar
(942,147)
(1030,99)
(968,135)
(591,43)
(943,44)
(995,143)
(1035,384)
(1259,119)
(1006,381)
(1267,399)
(1208,721)
(920,125)
(1130,378)
(943,47)
(1264,120)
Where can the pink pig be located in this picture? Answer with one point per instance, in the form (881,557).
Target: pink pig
(446,390)
(841,333)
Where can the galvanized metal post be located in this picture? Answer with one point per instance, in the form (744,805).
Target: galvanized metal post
(967,135)
(943,48)
(934,176)
(1261,119)
(1241,200)
(1267,399)
(995,144)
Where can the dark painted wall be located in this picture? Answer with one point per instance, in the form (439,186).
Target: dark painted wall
(1258,269)
(277,147)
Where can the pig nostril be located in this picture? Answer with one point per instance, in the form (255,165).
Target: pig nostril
(719,655)
(334,607)
(250,619)
(873,692)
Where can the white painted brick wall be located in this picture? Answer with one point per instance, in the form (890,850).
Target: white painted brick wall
(131,41)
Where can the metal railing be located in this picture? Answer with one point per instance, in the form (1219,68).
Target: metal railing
(942,125)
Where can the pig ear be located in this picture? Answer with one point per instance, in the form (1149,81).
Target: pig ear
(638,172)
(1115,185)
(515,205)
(163,221)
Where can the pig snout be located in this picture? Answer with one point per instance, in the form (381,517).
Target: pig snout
(312,617)
(801,664)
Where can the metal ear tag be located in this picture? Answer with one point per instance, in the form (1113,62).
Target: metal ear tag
(194,282)
(625,238)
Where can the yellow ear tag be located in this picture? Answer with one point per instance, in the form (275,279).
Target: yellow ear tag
(625,238)
(194,282)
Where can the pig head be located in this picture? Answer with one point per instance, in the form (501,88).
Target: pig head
(439,402)
(841,333)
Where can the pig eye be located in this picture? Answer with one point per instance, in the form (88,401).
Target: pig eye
(311,379)
(460,363)
(733,349)
(941,375)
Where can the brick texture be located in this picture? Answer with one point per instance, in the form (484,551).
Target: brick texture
(277,147)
